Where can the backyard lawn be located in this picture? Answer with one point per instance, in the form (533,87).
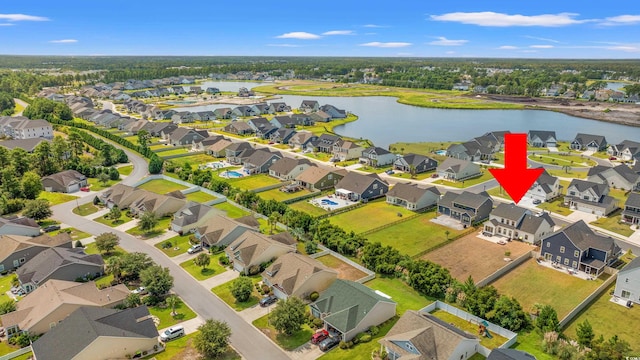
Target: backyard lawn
(486,176)
(223,291)
(276,194)
(183,313)
(113,223)
(254,181)
(404,295)
(345,271)
(5,348)
(531,342)
(556,206)
(361,351)
(56,198)
(307,207)
(423,148)
(160,228)
(75,233)
(214,268)
(576,174)
(612,223)
(179,245)
(125,170)
(96,185)
(561,160)
(172,152)
(233,212)
(290,342)
(199,196)
(370,216)
(85,209)
(193,160)
(406,175)
(414,236)
(490,343)
(564,293)
(161,186)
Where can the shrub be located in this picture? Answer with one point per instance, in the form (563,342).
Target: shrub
(364,338)
(151,300)
(374,330)
(343,345)
(167,245)
(314,296)
(223,259)
(253,270)
(317,322)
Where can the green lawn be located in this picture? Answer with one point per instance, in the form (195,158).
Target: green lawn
(56,198)
(171,152)
(96,185)
(254,181)
(233,212)
(556,206)
(290,342)
(158,146)
(183,313)
(619,195)
(362,351)
(182,348)
(5,348)
(75,233)
(319,156)
(486,176)
(18,108)
(499,191)
(414,236)
(113,223)
(561,160)
(26,356)
(5,285)
(85,209)
(199,273)
(276,194)
(372,215)
(160,228)
(92,249)
(199,196)
(307,207)
(422,148)
(125,170)
(609,319)
(194,160)
(421,176)
(490,343)
(223,291)
(563,293)
(613,223)
(575,174)
(531,342)
(161,186)
(404,295)
(180,245)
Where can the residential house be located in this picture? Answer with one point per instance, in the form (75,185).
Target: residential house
(264,108)
(627,150)
(412,196)
(302,119)
(458,170)
(18,225)
(419,163)
(178,90)
(223,113)
(27,145)
(287,169)
(628,282)
(359,187)
(203,144)
(221,231)
(195,90)
(545,188)
(466,207)
(218,149)
(588,142)
(298,275)
(139,200)
(618,177)
(105,334)
(470,150)
(518,223)
(163,130)
(261,126)
(580,248)
(237,151)
(244,92)
(185,136)
(284,121)
(183,117)
(350,308)
(540,138)
(59,263)
(205,115)
(54,301)
(67,181)
(212,90)
(376,156)
(319,178)
(260,161)
(20,127)
(631,212)
(301,139)
(238,128)
(320,116)
(325,143)
(16,250)
(282,136)
(422,336)
(244,110)
(251,249)
(333,111)
(309,106)
(191,216)
(344,150)
(590,197)
(280,107)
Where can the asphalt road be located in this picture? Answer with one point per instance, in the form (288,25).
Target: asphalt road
(245,338)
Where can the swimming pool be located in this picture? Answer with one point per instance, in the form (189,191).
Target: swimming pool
(231,174)
(328,202)
(441,152)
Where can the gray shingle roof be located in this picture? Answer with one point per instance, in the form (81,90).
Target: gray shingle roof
(633,200)
(411,192)
(581,186)
(509,211)
(634,264)
(542,134)
(285,165)
(49,260)
(190,213)
(585,139)
(358,183)
(509,354)
(583,237)
(415,159)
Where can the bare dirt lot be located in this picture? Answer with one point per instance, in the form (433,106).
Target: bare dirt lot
(476,257)
(345,271)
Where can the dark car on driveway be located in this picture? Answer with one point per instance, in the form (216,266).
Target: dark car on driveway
(268,300)
(329,343)
(51,228)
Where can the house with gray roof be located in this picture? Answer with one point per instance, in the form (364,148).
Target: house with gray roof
(422,336)
(221,231)
(59,263)
(617,177)
(99,334)
(184,136)
(412,196)
(16,250)
(517,223)
(238,128)
(287,169)
(631,212)
(260,161)
(359,187)
(163,130)
(466,207)
(344,150)
(309,106)
(458,170)
(333,111)
(280,107)
(282,135)
(236,152)
(470,150)
(590,197)
(418,162)
(183,117)
(627,150)
(244,110)
(628,282)
(301,139)
(545,188)
(284,121)
(319,178)
(509,354)
(350,308)
(191,216)
(542,138)
(325,143)
(223,113)
(252,248)
(580,248)
(206,142)
(376,156)
(298,275)
(67,181)
(589,142)
(18,225)
(27,145)
(20,127)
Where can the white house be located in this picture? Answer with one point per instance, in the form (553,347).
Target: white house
(545,188)
(628,282)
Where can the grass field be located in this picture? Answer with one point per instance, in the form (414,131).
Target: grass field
(563,293)
(370,216)
(199,196)
(602,315)
(193,160)
(422,148)
(224,293)
(232,211)
(85,209)
(75,233)
(319,156)
(414,236)
(183,313)
(499,191)
(471,328)
(96,185)
(574,174)
(179,245)
(561,160)
(276,194)
(556,206)
(56,198)
(161,186)
(486,176)
(92,249)
(308,208)
(254,181)
(179,151)
(158,146)
(531,342)
(421,176)
(125,170)
(361,351)
(161,228)
(287,342)
(214,268)
(404,295)
(113,223)
(612,223)
(345,271)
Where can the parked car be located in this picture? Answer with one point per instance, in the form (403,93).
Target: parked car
(537,201)
(51,228)
(328,343)
(85,189)
(172,333)
(319,336)
(195,248)
(268,300)
(140,291)
(434,176)
(389,172)
(613,158)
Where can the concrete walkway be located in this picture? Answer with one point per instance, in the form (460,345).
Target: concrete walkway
(220,279)
(98,214)
(127,226)
(255,312)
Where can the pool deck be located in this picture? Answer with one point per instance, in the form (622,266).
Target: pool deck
(340,203)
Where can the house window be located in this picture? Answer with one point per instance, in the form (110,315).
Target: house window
(626,280)
(566,262)
(573,193)
(558,258)
(561,249)
(1,267)
(526,237)
(625,294)
(375,186)
(548,244)
(16,263)
(576,253)
(574,265)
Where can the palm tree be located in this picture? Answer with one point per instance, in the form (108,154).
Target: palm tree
(114,267)
(172,301)
(447,232)
(273,220)
(412,171)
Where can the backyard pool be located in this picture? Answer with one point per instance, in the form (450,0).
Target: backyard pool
(231,174)
(330,203)
(441,152)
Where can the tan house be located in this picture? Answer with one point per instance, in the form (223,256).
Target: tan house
(139,200)
(344,150)
(287,169)
(457,169)
(220,230)
(251,249)
(16,250)
(67,181)
(191,216)
(218,148)
(317,178)
(412,196)
(297,275)
(52,302)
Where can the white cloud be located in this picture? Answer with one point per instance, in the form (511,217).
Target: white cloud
(450,52)
(625,47)
(443,41)
(404,54)
(541,46)
(64,41)
(6,24)
(529,51)
(621,20)
(299,35)
(542,39)
(338,32)
(507,47)
(489,18)
(284,45)
(374,26)
(22,17)
(387,44)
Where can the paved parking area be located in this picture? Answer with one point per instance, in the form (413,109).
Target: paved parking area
(448,221)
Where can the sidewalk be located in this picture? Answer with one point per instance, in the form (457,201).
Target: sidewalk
(97,214)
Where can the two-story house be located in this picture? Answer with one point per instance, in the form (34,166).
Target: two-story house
(631,212)
(470,150)
(541,138)
(260,161)
(545,188)
(309,106)
(237,151)
(466,207)
(287,169)
(458,170)
(376,156)
(518,223)
(344,150)
(301,139)
(319,178)
(419,163)
(590,197)
(627,150)
(628,282)
(617,177)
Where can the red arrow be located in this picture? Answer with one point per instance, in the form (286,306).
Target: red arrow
(515,178)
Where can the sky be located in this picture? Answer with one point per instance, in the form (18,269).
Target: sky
(453,28)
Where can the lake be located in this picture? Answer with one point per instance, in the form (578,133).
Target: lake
(384,121)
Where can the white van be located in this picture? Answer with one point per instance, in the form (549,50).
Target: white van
(172,333)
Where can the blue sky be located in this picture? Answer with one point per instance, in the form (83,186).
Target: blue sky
(454,28)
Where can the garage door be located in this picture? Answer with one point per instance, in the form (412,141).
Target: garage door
(74,188)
